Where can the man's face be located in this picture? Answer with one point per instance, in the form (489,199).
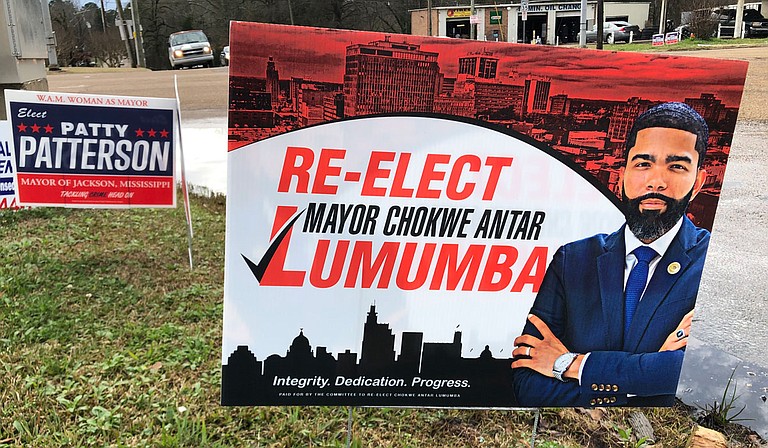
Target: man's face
(660,178)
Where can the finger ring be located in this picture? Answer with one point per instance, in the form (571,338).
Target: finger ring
(528,352)
(680,334)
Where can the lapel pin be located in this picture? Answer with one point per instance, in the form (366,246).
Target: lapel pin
(673,268)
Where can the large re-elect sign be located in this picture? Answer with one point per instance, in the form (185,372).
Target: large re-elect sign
(394,203)
(76,150)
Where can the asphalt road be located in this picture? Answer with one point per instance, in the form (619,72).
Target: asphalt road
(202,91)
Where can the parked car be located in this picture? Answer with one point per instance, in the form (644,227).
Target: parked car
(700,23)
(616,31)
(224,56)
(684,31)
(755,25)
(189,48)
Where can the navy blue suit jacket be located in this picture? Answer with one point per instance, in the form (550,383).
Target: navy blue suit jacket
(581,299)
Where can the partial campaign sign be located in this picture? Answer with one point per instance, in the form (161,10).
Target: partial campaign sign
(398,205)
(7,184)
(75,150)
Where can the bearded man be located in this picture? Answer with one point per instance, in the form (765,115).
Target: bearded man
(611,319)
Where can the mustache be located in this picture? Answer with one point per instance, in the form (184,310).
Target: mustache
(653,195)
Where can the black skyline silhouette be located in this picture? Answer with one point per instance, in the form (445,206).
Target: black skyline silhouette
(481,381)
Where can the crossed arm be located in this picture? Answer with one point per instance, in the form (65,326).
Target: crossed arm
(633,373)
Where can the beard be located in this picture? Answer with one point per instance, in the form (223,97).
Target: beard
(649,225)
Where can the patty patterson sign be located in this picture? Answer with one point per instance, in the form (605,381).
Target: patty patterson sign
(76,150)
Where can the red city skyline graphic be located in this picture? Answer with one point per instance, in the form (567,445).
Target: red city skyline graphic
(580,103)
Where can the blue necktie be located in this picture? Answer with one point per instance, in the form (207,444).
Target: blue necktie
(636,283)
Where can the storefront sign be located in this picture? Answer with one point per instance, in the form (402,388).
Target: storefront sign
(459,13)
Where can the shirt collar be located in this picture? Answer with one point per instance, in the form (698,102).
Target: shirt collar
(660,245)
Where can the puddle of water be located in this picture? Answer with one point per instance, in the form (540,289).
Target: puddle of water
(704,380)
(205,153)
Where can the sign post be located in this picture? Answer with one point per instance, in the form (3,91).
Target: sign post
(524,16)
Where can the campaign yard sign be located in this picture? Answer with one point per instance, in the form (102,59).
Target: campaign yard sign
(394,202)
(672,38)
(7,183)
(76,150)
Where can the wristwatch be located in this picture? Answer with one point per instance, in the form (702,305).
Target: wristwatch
(561,365)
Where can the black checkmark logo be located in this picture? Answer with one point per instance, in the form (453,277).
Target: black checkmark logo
(259,268)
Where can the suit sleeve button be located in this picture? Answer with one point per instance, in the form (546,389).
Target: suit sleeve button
(615,388)
(592,402)
(594,387)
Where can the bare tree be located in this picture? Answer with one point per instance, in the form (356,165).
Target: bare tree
(109,48)
(71,33)
(698,18)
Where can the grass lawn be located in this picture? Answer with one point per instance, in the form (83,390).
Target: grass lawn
(683,45)
(107,338)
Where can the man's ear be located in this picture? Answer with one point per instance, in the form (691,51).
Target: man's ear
(701,177)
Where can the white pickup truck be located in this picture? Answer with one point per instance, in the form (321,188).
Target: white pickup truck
(189,48)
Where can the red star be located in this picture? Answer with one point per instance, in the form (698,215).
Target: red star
(35,128)
(152,132)
(139,133)
(164,133)
(22,127)
(48,129)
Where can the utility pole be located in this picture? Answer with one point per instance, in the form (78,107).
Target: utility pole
(429,17)
(137,40)
(600,20)
(125,33)
(103,18)
(290,11)
(50,37)
(663,18)
(739,23)
(583,25)
(471,18)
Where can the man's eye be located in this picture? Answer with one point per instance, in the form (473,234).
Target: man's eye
(678,167)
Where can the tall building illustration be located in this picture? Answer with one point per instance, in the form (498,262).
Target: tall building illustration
(378,353)
(385,76)
(536,95)
(708,106)
(273,82)
(481,66)
(559,104)
(623,116)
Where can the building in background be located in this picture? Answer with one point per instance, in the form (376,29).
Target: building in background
(554,22)
(23,46)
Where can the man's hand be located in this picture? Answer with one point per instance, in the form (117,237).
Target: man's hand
(679,338)
(543,352)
